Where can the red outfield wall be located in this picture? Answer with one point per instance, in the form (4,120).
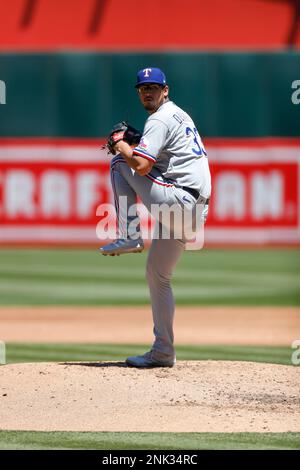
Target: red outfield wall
(50,190)
(113,25)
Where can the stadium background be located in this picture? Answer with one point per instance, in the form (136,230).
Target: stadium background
(69,68)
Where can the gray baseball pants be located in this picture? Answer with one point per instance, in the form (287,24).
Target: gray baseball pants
(163,254)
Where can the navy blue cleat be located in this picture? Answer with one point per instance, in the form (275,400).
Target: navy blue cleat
(148,360)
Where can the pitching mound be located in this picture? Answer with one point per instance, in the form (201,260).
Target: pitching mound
(194,396)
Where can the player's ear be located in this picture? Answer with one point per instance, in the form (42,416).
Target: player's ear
(166,91)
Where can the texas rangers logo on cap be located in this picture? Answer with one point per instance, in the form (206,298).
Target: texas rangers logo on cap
(151,75)
(146,72)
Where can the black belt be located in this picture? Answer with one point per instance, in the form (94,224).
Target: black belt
(192,191)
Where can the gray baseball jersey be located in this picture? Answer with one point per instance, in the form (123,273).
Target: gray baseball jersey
(172,141)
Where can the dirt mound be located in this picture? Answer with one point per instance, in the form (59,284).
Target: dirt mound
(194,396)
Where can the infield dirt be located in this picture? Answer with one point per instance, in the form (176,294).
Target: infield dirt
(194,396)
(193,325)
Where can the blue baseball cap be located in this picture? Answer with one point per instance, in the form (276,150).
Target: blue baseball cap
(150,75)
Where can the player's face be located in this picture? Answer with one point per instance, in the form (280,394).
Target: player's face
(152,96)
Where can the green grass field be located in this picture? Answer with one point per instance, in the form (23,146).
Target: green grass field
(59,352)
(207,277)
(29,440)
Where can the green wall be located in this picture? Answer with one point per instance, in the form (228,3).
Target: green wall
(69,94)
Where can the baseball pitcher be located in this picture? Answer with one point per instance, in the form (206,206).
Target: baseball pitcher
(166,165)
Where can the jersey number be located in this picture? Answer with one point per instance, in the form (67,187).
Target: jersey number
(198,149)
